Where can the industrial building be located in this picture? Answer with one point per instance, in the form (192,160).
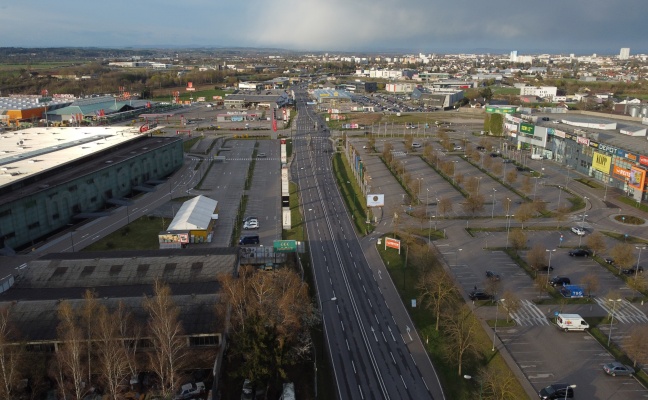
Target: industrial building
(52,177)
(193,223)
(26,108)
(442,98)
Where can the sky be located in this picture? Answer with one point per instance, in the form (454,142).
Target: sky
(373,26)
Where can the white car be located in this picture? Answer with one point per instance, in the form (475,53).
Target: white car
(251,224)
(457,147)
(578,230)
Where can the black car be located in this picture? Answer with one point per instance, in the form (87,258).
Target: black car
(579,253)
(507,161)
(479,295)
(481,148)
(637,269)
(544,268)
(559,281)
(557,391)
(492,275)
(494,155)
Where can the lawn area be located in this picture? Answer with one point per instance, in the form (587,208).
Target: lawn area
(351,193)
(141,234)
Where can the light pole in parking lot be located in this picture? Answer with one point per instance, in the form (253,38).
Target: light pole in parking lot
(549,266)
(481,384)
(493,209)
(638,259)
(454,168)
(508,225)
(614,303)
(457,255)
(495,330)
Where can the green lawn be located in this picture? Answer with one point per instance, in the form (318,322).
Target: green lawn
(141,234)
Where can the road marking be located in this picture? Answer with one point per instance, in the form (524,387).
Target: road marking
(403,381)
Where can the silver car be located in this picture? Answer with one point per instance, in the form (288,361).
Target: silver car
(616,368)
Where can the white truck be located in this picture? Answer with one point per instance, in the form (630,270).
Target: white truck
(571,322)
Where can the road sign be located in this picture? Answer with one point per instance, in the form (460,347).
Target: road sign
(285,246)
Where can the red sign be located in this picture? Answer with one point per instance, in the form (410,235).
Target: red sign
(144,128)
(393,243)
(643,160)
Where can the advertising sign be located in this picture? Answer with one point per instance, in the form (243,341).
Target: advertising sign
(393,243)
(375,200)
(285,246)
(637,178)
(528,129)
(621,172)
(643,160)
(601,162)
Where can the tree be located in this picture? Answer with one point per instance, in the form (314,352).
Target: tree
(596,243)
(524,213)
(537,257)
(88,314)
(511,176)
(436,289)
(512,303)
(11,355)
(472,184)
(492,287)
(636,345)
(474,203)
(518,239)
(168,356)
(561,215)
(591,283)
(637,283)
(460,325)
(498,385)
(445,205)
(622,255)
(409,139)
(541,283)
(526,184)
(70,353)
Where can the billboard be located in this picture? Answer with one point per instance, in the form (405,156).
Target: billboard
(621,172)
(601,162)
(393,243)
(375,200)
(285,246)
(527,128)
(637,178)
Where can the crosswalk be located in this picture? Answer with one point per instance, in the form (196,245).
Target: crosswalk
(529,314)
(624,311)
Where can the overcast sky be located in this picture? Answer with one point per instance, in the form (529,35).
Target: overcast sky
(427,26)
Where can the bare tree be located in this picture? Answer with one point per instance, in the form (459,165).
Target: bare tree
(561,215)
(541,283)
(526,184)
(409,139)
(496,167)
(511,176)
(166,334)
(524,213)
(88,314)
(518,239)
(460,326)
(636,345)
(537,257)
(622,255)
(474,203)
(596,243)
(436,289)
(637,283)
(472,184)
(11,355)
(512,303)
(498,385)
(71,351)
(445,205)
(492,287)
(591,282)
(111,351)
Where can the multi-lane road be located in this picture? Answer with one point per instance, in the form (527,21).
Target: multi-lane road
(375,353)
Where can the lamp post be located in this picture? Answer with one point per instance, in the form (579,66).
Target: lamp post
(508,204)
(549,266)
(493,208)
(454,169)
(456,256)
(638,259)
(508,225)
(495,330)
(427,201)
(436,209)
(479,178)
(72,239)
(614,303)
(559,193)
(535,187)
(606,186)
(481,384)
(584,215)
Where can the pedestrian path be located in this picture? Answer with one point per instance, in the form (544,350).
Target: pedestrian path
(529,314)
(624,311)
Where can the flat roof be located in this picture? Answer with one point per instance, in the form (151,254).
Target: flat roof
(27,152)
(194,214)
(29,102)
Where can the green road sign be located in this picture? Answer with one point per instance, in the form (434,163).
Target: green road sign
(285,246)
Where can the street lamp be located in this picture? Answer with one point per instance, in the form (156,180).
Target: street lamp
(614,303)
(493,209)
(479,178)
(638,259)
(495,330)
(584,215)
(535,187)
(549,266)
(481,384)
(454,168)
(427,201)
(508,225)
(456,255)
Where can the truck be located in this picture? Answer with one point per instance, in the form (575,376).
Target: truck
(571,322)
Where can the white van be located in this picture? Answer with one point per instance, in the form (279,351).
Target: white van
(571,322)
(536,156)
(416,145)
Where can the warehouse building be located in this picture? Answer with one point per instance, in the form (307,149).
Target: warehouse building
(53,177)
(193,223)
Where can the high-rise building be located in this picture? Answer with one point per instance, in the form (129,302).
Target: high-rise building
(513,57)
(624,54)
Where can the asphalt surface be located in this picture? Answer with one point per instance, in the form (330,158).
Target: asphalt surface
(374,348)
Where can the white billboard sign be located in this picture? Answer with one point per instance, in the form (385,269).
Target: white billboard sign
(375,200)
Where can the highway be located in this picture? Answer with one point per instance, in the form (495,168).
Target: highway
(374,353)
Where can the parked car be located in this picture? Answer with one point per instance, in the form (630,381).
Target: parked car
(190,390)
(479,295)
(481,148)
(261,155)
(494,155)
(616,368)
(609,261)
(248,391)
(507,161)
(544,268)
(557,391)
(578,230)
(251,224)
(559,281)
(457,147)
(579,253)
(246,219)
(637,269)
(492,275)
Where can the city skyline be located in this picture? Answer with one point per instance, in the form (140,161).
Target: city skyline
(578,26)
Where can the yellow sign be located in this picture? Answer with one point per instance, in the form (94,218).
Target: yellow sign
(601,162)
